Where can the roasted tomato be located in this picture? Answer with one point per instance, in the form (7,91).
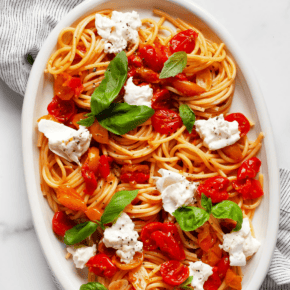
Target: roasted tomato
(94,214)
(104,165)
(66,86)
(233,280)
(78,117)
(61,110)
(215,188)
(183,41)
(166,121)
(249,188)
(101,265)
(69,198)
(136,262)
(61,223)
(145,74)
(135,174)
(187,88)
(244,124)
(99,133)
(233,151)
(214,281)
(135,60)
(148,243)
(174,273)
(206,237)
(161,100)
(249,168)
(90,179)
(223,266)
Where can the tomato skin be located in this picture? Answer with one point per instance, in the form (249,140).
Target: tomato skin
(187,88)
(61,223)
(99,133)
(249,168)
(150,57)
(163,52)
(183,41)
(90,179)
(69,198)
(66,86)
(61,110)
(101,265)
(146,74)
(249,188)
(233,280)
(166,121)
(161,100)
(223,266)
(136,262)
(213,282)
(244,124)
(135,174)
(148,243)
(110,252)
(233,151)
(135,60)
(215,188)
(94,213)
(104,166)
(206,238)
(174,273)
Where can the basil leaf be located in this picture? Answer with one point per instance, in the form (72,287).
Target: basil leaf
(93,286)
(228,210)
(109,88)
(186,284)
(79,232)
(117,204)
(174,65)
(30,59)
(206,203)
(187,116)
(190,218)
(87,122)
(120,118)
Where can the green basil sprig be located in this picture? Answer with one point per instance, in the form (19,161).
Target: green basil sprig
(190,218)
(112,211)
(174,65)
(79,232)
(187,116)
(93,286)
(186,284)
(120,118)
(111,85)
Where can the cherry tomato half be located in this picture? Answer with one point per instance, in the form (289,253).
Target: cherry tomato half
(145,236)
(173,272)
(223,266)
(249,168)
(206,237)
(61,223)
(90,179)
(249,188)
(166,121)
(104,165)
(214,281)
(233,280)
(183,41)
(135,60)
(101,265)
(161,100)
(215,188)
(244,124)
(61,110)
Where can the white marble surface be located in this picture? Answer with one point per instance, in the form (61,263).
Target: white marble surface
(260,27)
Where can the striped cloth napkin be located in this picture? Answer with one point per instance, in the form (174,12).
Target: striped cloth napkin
(24,25)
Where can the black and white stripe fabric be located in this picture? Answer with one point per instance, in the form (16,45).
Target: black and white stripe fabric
(24,25)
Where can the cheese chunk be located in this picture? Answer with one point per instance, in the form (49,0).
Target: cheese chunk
(240,245)
(119,30)
(122,237)
(82,255)
(175,189)
(64,141)
(200,272)
(139,96)
(217,133)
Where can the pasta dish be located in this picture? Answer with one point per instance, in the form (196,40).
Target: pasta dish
(152,181)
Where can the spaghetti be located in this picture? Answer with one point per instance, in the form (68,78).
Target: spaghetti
(81,53)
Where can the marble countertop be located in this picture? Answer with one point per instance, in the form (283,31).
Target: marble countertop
(260,27)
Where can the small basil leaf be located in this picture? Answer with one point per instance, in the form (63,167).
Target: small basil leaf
(87,122)
(206,203)
(109,88)
(190,218)
(228,210)
(120,118)
(187,116)
(174,65)
(79,232)
(30,59)
(185,285)
(117,204)
(93,286)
